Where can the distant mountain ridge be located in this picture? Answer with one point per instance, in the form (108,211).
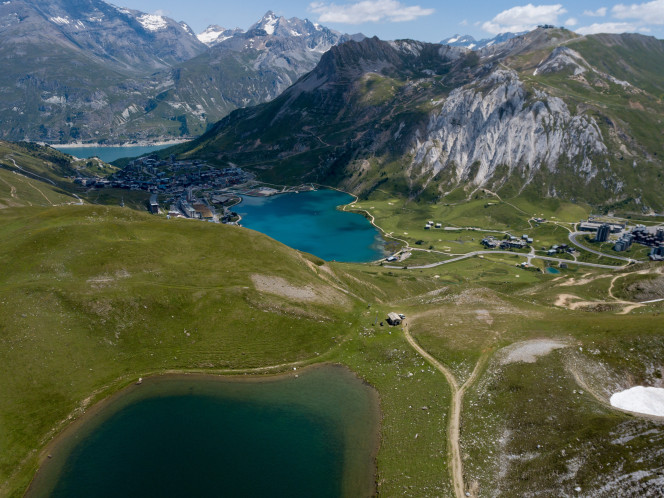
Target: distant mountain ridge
(85,70)
(127,39)
(468,41)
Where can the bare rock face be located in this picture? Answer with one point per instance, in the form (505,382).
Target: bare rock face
(563,58)
(495,122)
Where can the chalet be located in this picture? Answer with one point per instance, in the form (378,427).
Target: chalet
(393,318)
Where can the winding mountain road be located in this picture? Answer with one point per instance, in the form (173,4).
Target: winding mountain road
(479,253)
(573,239)
(30,173)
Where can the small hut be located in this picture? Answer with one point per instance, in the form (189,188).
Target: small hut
(393,319)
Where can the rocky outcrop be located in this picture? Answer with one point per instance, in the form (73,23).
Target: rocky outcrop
(563,58)
(495,122)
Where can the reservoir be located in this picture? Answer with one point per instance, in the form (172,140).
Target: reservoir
(314,433)
(109,154)
(311,222)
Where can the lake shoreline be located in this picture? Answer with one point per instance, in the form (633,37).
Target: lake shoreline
(315,222)
(140,143)
(84,420)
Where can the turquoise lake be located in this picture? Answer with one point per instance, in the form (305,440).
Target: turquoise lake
(311,435)
(109,154)
(310,222)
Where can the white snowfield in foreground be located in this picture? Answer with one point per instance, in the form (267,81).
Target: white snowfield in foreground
(648,400)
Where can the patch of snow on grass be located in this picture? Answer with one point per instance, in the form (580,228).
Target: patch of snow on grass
(640,399)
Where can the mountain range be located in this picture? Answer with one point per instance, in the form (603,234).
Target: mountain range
(546,114)
(468,41)
(85,70)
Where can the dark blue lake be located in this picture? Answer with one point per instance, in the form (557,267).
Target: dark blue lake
(109,154)
(311,435)
(311,222)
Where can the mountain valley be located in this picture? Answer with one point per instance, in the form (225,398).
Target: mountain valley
(511,188)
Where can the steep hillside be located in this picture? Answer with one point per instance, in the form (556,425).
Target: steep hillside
(90,293)
(68,65)
(528,116)
(127,39)
(35,175)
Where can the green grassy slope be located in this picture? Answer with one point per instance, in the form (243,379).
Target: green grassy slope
(90,295)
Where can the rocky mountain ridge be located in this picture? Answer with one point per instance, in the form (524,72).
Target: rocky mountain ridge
(84,70)
(127,39)
(528,116)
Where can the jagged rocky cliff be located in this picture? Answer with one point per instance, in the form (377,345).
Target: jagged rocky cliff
(495,122)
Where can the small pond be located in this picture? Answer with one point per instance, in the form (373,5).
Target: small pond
(303,434)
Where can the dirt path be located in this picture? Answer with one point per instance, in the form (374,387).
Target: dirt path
(371,218)
(12,189)
(641,272)
(574,302)
(454,427)
(42,193)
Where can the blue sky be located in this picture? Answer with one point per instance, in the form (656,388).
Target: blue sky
(426,20)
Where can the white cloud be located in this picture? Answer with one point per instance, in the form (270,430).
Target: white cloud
(601,12)
(162,12)
(572,21)
(464,22)
(608,27)
(368,11)
(647,13)
(524,18)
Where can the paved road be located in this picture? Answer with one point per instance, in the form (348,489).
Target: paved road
(573,239)
(478,253)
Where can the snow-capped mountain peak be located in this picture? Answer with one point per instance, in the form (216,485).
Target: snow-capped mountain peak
(215,34)
(473,44)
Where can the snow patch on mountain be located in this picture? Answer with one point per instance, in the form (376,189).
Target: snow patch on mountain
(214,34)
(60,20)
(270,23)
(152,22)
(471,43)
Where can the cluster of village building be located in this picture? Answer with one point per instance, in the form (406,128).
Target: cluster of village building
(509,242)
(173,177)
(180,181)
(652,237)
